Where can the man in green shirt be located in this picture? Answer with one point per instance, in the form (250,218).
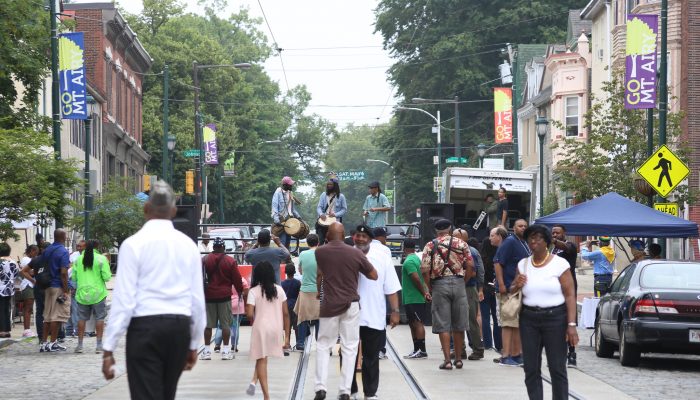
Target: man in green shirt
(415,297)
(90,272)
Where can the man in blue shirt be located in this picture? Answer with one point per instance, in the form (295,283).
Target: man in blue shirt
(602,260)
(376,207)
(506,260)
(57,298)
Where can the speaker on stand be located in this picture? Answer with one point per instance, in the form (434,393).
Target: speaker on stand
(185,221)
(431,213)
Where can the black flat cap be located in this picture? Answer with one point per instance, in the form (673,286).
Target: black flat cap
(365,229)
(443,224)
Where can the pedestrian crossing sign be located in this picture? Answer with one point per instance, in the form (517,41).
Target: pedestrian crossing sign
(664,171)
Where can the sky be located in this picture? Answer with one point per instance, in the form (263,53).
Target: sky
(329,46)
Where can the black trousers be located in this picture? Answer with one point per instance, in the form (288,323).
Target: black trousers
(5,319)
(156,353)
(372,341)
(544,329)
(39,313)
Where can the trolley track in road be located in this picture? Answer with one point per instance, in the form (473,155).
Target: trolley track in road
(411,380)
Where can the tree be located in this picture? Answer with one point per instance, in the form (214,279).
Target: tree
(117,214)
(31,179)
(616,147)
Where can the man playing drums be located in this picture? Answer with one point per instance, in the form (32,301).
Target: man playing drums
(283,207)
(331,207)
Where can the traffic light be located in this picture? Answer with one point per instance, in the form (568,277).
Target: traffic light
(189,181)
(146,183)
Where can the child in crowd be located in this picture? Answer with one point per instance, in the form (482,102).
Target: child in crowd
(238,310)
(291,288)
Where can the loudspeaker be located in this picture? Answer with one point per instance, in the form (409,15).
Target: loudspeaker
(431,213)
(185,221)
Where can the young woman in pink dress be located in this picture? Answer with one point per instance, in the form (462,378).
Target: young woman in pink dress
(267,308)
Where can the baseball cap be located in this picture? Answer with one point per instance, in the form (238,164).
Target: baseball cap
(287,180)
(365,229)
(219,242)
(379,232)
(373,184)
(264,236)
(637,245)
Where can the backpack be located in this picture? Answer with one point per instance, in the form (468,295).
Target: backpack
(44,274)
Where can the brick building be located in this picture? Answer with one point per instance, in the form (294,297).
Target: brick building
(115,62)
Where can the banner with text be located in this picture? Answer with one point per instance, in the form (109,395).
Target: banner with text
(503,114)
(211,151)
(640,61)
(71,74)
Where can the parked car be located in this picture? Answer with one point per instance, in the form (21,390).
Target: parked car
(652,306)
(235,240)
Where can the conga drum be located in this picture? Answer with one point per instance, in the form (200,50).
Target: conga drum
(304,231)
(293,226)
(277,230)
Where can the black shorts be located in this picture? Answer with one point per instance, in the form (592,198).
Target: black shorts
(418,312)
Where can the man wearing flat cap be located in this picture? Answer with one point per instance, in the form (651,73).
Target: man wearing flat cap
(376,208)
(446,265)
(603,263)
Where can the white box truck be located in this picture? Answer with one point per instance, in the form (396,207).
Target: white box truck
(467,188)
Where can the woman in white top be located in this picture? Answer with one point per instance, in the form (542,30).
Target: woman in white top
(548,315)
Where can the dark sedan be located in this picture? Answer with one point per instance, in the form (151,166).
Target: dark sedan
(653,306)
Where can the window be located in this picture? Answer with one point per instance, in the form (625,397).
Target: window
(631,4)
(133,113)
(623,280)
(118,111)
(571,116)
(108,78)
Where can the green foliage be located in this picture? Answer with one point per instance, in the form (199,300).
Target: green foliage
(31,180)
(551,204)
(453,48)
(117,214)
(616,147)
(247,106)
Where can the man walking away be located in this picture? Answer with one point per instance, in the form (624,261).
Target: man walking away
(447,264)
(475,293)
(414,292)
(158,301)
(339,266)
(57,297)
(222,273)
(569,252)
(373,298)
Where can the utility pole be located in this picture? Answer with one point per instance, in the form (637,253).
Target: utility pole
(513,55)
(197,143)
(166,122)
(663,71)
(87,195)
(55,89)
(221,194)
(458,144)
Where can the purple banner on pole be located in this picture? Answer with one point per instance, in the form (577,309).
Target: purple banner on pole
(640,62)
(211,151)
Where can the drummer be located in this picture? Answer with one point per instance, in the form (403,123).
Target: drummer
(284,206)
(331,204)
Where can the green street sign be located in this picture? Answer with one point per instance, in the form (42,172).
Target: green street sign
(455,160)
(192,153)
(351,175)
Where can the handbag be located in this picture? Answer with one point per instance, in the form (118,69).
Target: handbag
(513,303)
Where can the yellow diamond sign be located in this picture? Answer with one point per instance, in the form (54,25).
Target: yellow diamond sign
(664,171)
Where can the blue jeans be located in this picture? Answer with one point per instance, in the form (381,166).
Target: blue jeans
(285,239)
(304,331)
(488,313)
(218,338)
(71,326)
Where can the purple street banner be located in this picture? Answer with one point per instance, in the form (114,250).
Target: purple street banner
(640,61)
(71,76)
(211,151)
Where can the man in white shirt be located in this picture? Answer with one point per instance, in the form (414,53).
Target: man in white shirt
(158,300)
(373,296)
(205,246)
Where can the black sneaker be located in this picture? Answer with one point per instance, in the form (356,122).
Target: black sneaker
(571,360)
(344,396)
(320,395)
(217,349)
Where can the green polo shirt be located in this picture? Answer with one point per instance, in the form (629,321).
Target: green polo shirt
(409,291)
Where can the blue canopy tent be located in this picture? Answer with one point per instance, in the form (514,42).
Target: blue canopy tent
(614,215)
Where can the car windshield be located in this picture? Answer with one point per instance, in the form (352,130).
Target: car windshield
(671,276)
(396,230)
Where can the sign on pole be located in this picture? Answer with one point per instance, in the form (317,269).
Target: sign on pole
(668,208)
(503,114)
(191,153)
(640,61)
(351,175)
(230,165)
(456,160)
(211,151)
(389,193)
(437,184)
(664,171)
(71,74)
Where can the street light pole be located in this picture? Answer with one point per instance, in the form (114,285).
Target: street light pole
(481,151)
(87,195)
(166,123)
(458,141)
(541,124)
(393,173)
(439,140)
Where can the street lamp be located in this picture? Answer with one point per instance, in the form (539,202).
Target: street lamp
(198,140)
(481,151)
(458,144)
(437,130)
(393,173)
(88,145)
(171,146)
(541,123)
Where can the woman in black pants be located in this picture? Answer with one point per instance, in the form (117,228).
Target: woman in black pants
(548,314)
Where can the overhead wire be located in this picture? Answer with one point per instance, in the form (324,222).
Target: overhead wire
(277,47)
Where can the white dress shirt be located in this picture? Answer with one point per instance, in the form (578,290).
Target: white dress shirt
(159,272)
(373,293)
(380,246)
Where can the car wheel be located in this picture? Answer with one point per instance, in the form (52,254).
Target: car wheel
(603,348)
(629,352)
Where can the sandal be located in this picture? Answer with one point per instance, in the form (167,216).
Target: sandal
(447,365)
(459,364)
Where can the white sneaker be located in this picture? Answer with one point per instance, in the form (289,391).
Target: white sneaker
(251,390)
(55,346)
(206,355)
(228,355)
(28,333)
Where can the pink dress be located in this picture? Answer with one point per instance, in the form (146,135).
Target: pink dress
(237,306)
(267,337)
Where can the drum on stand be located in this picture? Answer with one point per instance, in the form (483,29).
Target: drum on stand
(296,228)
